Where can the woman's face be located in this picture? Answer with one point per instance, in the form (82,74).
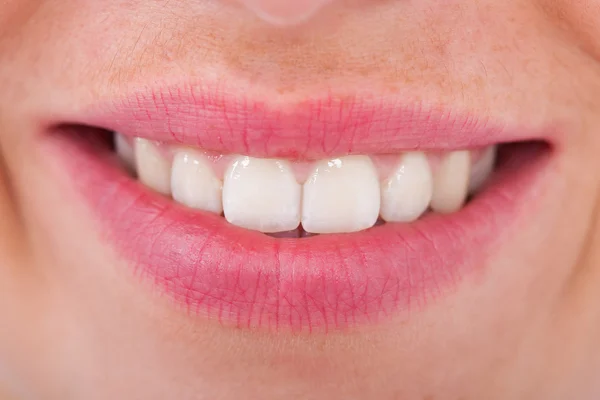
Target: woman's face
(163,273)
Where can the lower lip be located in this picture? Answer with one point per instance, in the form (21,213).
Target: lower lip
(246,279)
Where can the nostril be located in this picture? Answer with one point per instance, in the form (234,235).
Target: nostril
(285,12)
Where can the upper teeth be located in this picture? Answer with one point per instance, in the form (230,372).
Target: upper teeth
(482,169)
(189,169)
(407,193)
(451,182)
(262,195)
(344,194)
(341,195)
(152,168)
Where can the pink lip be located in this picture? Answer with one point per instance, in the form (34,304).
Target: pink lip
(328,282)
(312,129)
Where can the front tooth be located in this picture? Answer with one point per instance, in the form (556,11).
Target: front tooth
(451,182)
(482,169)
(262,194)
(341,195)
(194,183)
(407,193)
(153,169)
(124,151)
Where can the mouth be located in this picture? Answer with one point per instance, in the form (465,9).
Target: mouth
(321,216)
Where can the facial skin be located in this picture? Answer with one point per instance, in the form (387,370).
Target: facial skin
(77,325)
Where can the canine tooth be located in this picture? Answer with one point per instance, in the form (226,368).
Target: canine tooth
(124,151)
(406,194)
(153,169)
(262,194)
(194,183)
(482,169)
(451,182)
(341,195)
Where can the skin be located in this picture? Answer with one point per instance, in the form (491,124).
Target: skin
(77,325)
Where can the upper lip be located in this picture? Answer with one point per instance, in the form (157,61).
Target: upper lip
(215,119)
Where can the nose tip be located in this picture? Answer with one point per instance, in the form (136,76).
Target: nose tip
(285,12)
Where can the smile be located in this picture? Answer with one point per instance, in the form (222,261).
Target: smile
(314,216)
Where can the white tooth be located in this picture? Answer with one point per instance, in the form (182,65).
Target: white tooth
(482,169)
(124,151)
(262,194)
(341,195)
(152,167)
(194,183)
(407,193)
(451,182)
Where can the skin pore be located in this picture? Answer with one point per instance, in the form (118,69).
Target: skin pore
(78,325)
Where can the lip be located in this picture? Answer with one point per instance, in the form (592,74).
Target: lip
(330,282)
(212,118)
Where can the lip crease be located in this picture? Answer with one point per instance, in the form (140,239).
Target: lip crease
(323,283)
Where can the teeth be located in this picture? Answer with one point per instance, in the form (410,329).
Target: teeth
(407,193)
(193,182)
(482,170)
(451,182)
(153,169)
(124,151)
(262,194)
(341,195)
